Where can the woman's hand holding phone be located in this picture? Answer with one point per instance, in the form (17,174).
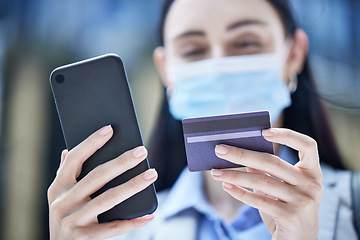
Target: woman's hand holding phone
(288,197)
(73,214)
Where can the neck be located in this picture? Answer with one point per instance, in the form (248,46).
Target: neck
(225,205)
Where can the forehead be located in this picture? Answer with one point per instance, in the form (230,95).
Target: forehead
(217,15)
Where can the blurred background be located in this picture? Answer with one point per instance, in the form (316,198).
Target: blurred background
(37,36)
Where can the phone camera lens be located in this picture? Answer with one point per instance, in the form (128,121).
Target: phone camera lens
(59,78)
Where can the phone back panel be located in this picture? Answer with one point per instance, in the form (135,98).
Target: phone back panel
(89,95)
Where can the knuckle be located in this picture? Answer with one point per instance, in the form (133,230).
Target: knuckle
(69,155)
(121,227)
(306,201)
(284,132)
(125,160)
(57,210)
(50,193)
(315,188)
(303,199)
(260,199)
(114,225)
(310,143)
(68,226)
(232,176)
(133,224)
(93,142)
(265,180)
(274,161)
(134,183)
(106,198)
(63,153)
(239,153)
(95,175)
(241,193)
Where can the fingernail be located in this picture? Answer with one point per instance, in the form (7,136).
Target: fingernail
(222,149)
(105,130)
(228,185)
(146,219)
(217,172)
(149,174)
(139,152)
(149,217)
(268,132)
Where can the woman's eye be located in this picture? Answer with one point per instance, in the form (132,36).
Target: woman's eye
(194,52)
(247,44)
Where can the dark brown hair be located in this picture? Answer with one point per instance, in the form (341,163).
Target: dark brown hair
(306,115)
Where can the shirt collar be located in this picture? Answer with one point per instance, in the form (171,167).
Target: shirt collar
(186,193)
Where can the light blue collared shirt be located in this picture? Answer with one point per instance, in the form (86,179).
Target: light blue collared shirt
(188,195)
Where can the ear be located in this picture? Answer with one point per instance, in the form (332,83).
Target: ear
(298,53)
(159,60)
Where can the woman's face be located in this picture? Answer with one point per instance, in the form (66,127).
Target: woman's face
(203,29)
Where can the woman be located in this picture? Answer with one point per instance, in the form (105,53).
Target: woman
(203,39)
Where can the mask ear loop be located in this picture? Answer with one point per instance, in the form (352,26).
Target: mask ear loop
(293,83)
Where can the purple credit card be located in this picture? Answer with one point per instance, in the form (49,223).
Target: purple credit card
(240,130)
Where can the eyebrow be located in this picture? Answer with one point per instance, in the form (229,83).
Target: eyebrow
(243,23)
(232,26)
(190,34)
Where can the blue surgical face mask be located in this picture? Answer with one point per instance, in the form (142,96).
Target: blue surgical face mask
(228,85)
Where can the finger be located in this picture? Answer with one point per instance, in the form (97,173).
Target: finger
(260,161)
(78,155)
(63,155)
(62,158)
(252,170)
(258,182)
(53,189)
(104,173)
(270,206)
(307,147)
(249,169)
(116,195)
(114,228)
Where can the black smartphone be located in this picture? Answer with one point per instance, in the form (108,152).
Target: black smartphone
(91,94)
